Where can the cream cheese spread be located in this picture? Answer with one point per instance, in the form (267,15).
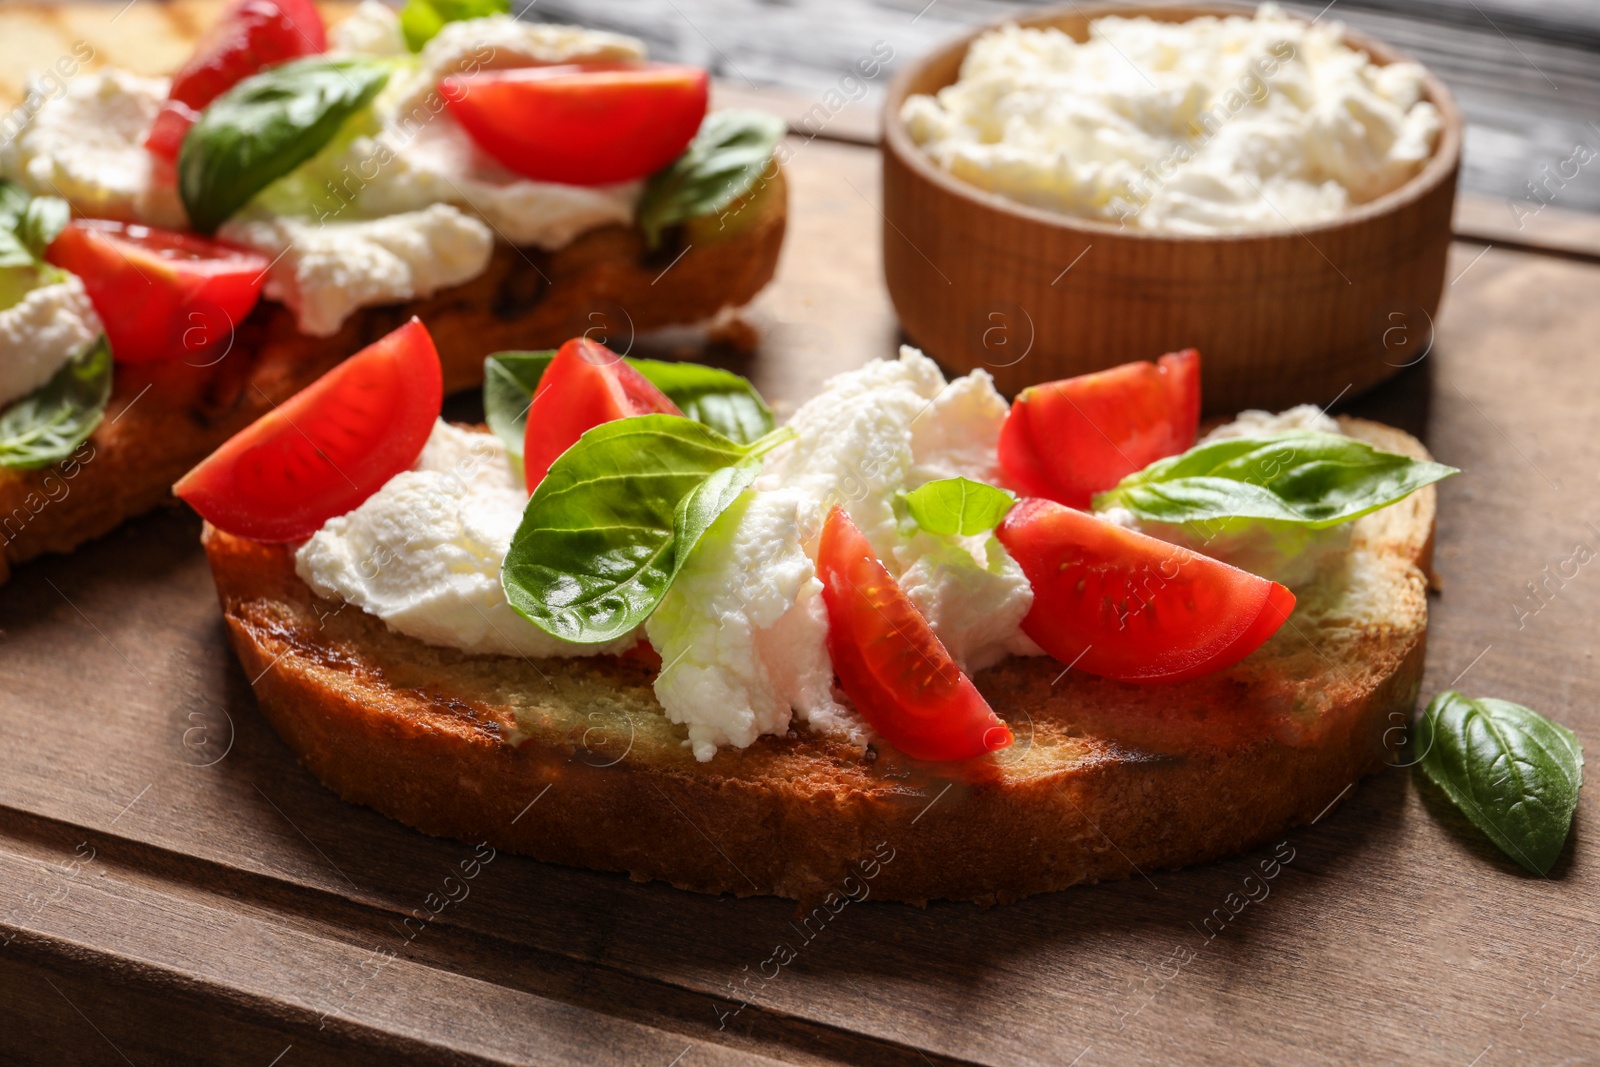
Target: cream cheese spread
(87,145)
(324,272)
(372,29)
(50,325)
(424,552)
(891,426)
(1208,126)
(742,632)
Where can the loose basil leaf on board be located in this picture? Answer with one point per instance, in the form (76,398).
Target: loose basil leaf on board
(717,398)
(1512,771)
(265,127)
(723,162)
(421,20)
(28,224)
(48,424)
(1311,479)
(961,506)
(613,522)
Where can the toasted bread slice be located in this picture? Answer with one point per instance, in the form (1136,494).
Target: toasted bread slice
(161,421)
(1105,778)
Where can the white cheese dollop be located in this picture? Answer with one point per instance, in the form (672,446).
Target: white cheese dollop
(502,41)
(1206,126)
(1283,552)
(852,446)
(973,594)
(87,145)
(424,552)
(742,633)
(372,29)
(38,335)
(325,271)
(1255,423)
(437,162)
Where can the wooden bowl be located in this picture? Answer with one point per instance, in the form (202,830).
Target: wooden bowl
(1301,315)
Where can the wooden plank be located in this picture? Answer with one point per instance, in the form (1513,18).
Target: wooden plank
(1512,223)
(357,988)
(229,873)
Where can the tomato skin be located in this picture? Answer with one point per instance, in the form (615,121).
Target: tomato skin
(581,123)
(166,135)
(586,384)
(325,450)
(1067,440)
(889,661)
(251,36)
(1124,605)
(160,293)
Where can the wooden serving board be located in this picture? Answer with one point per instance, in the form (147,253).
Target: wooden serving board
(174,888)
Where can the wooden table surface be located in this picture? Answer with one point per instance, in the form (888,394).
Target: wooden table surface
(175,888)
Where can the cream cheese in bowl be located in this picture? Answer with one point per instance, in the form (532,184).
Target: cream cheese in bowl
(1213,125)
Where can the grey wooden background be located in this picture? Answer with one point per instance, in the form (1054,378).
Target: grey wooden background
(1526,72)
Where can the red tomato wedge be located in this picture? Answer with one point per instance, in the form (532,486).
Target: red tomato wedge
(1067,440)
(582,123)
(889,661)
(251,36)
(1127,606)
(160,293)
(585,385)
(326,449)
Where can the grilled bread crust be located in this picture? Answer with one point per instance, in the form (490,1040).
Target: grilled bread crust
(165,418)
(1105,779)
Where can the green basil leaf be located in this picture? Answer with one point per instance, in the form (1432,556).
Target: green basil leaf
(1310,479)
(717,398)
(421,20)
(697,511)
(266,126)
(13,253)
(509,382)
(611,525)
(958,506)
(48,424)
(42,221)
(13,200)
(721,164)
(1510,770)
(28,224)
